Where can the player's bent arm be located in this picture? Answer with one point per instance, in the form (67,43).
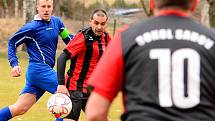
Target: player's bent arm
(61,65)
(63,32)
(23,35)
(97,107)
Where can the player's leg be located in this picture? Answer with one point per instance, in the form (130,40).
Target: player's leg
(23,104)
(75,97)
(48,82)
(29,96)
(84,100)
(5,114)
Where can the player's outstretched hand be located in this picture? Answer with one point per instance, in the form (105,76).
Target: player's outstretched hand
(16,71)
(62,89)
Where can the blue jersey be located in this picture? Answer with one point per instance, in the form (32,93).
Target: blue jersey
(41,38)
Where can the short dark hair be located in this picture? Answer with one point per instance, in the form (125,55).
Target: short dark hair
(97,11)
(183,4)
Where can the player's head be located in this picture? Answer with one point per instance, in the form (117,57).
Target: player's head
(179,4)
(98,21)
(44,9)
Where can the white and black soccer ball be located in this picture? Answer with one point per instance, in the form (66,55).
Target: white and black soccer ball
(59,105)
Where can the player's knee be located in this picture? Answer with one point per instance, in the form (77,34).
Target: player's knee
(23,110)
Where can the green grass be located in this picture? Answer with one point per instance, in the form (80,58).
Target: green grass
(10,88)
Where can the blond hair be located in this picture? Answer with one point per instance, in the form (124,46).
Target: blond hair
(39,1)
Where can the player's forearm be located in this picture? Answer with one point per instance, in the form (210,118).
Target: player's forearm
(97,111)
(61,65)
(12,58)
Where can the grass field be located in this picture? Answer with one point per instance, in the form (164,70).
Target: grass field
(10,88)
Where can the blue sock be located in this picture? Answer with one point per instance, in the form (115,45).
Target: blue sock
(57,119)
(5,114)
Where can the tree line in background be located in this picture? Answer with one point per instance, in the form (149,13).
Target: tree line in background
(76,9)
(73,9)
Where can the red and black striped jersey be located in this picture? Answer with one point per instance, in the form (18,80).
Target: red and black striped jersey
(85,49)
(165,67)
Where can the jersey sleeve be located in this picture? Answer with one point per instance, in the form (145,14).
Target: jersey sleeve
(64,33)
(17,39)
(107,78)
(76,45)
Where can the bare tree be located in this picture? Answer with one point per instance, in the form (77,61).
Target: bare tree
(204,14)
(29,9)
(212,13)
(57,4)
(16,8)
(147,12)
(5,7)
(83,20)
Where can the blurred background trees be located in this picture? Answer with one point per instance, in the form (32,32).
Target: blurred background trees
(79,9)
(75,13)
(212,12)
(67,8)
(29,10)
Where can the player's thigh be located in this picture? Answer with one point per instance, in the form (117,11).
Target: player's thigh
(46,80)
(30,88)
(42,76)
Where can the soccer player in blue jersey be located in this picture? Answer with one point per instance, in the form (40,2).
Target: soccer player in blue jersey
(41,38)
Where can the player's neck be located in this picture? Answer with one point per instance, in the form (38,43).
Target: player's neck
(177,12)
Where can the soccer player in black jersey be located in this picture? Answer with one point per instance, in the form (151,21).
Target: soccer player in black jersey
(164,66)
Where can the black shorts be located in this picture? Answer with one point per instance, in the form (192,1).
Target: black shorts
(79,100)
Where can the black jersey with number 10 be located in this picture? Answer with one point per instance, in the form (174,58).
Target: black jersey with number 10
(165,68)
(169,73)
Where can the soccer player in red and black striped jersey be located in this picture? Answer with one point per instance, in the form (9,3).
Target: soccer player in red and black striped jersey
(164,66)
(84,50)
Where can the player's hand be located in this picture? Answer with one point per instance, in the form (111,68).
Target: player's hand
(63,89)
(16,71)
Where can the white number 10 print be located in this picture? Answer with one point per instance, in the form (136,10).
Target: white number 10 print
(171,76)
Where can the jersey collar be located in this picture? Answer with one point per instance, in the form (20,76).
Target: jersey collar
(93,35)
(172,12)
(38,18)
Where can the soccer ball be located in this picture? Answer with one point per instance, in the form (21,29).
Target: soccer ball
(59,105)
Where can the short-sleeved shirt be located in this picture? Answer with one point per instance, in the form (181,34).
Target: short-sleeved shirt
(165,68)
(86,50)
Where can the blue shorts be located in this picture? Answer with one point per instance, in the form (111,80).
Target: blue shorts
(40,78)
